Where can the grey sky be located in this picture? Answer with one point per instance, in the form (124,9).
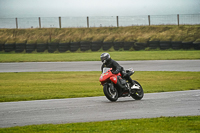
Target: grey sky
(54,8)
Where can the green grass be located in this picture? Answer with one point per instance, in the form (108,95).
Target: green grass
(131,33)
(55,85)
(95,56)
(187,124)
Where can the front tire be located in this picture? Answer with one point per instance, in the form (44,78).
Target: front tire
(111,94)
(139,93)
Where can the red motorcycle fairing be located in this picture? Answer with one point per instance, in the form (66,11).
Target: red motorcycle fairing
(114,79)
(109,76)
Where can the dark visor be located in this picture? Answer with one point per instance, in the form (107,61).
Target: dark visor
(103,58)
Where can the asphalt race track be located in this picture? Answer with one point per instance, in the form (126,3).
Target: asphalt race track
(180,103)
(149,65)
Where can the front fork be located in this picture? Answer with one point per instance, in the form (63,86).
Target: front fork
(114,89)
(112,86)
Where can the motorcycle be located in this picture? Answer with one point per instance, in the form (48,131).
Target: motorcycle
(115,86)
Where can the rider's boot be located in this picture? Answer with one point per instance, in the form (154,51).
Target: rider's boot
(131,84)
(135,86)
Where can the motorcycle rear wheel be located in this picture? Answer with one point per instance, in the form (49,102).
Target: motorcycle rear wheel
(111,94)
(139,93)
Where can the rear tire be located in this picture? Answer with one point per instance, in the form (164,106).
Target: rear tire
(111,95)
(139,93)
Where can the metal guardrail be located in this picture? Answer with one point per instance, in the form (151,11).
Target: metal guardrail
(105,21)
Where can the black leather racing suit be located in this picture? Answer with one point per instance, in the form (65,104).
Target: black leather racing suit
(116,69)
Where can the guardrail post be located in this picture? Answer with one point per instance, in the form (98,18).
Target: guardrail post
(16,23)
(117,21)
(149,20)
(178,19)
(39,22)
(60,22)
(88,22)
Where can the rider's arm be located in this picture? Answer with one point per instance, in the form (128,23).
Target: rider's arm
(102,66)
(117,66)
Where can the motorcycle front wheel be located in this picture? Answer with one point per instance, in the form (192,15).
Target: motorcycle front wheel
(138,93)
(110,93)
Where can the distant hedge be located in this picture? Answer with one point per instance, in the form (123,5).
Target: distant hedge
(96,46)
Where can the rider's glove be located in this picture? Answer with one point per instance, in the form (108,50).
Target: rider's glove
(116,72)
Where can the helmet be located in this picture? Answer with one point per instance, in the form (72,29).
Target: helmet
(105,57)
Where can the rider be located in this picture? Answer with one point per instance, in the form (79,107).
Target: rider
(110,63)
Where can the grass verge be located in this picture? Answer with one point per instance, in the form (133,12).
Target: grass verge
(95,56)
(55,85)
(185,124)
(130,33)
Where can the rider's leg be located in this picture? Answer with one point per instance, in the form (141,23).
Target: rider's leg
(130,80)
(127,77)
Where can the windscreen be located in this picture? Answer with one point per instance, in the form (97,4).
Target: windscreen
(105,69)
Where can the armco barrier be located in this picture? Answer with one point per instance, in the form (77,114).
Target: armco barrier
(107,45)
(84,46)
(140,46)
(196,45)
(63,47)
(128,45)
(8,47)
(52,47)
(30,47)
(41,47)
(74,46)
(187,45)
(1,46)
(176,45)
(165,45)
(97,45)
(154,44)
(20,47)
(118,45)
